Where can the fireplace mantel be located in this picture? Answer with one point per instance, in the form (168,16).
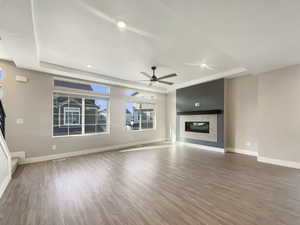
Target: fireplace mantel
(201,112)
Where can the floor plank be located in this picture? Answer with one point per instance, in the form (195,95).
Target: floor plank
(163,186)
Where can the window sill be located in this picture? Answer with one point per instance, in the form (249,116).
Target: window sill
(81,135)
(150,129)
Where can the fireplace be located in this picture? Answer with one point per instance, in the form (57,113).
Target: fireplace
(197,126)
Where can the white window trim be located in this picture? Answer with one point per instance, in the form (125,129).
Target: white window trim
(72,110)
(140,119)
(152,99)
(83,97)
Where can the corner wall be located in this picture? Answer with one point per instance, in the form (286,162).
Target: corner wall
(32,102)
(262,115)
(241,113)
(171,116)
(279,114)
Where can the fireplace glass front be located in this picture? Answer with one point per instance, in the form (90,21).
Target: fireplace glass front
(197,126)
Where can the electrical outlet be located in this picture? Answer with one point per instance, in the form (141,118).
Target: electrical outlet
(21,79)
(53,147)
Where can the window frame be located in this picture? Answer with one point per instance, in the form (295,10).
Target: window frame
(83,96)
(82,92)
(71,109)
(143,97)
(2,83)
(140,119)
(1,80)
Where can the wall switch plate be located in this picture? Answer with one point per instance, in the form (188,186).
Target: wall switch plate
(53,147)
(19,121)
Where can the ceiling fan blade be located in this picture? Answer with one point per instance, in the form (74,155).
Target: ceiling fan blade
(168,76)
(146,74)
(165,82)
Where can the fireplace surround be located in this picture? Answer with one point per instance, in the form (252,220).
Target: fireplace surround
(199,125)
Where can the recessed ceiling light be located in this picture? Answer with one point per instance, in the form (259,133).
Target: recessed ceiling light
(121,24)
(89,66)
(203,65)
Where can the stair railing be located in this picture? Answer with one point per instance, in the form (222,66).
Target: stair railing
(2,119)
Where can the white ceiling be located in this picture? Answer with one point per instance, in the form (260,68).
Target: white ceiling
(232,36)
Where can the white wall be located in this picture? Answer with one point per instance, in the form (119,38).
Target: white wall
(32,102)
(279,114)
(241,113)
(171,116)
(265,111)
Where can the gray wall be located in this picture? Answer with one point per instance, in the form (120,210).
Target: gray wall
(32,101)
(241,113)
(279,113)
(210,95)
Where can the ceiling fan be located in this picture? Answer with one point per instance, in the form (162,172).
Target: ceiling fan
(154,78)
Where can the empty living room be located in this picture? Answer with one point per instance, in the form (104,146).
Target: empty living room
(160,112)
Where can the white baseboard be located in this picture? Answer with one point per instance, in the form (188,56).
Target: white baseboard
(84,152)
(148,148)
(242,151)
(203,147)
(20,155)
(279,162)
(4,185)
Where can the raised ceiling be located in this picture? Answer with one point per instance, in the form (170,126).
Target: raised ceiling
(231,36)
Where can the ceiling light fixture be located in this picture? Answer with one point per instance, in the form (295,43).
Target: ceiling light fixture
(121,24)
(204,66)
(89,66)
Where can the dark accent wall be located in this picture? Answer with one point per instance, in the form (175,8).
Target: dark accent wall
(210,95)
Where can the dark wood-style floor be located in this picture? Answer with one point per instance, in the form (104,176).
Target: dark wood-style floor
(164,186)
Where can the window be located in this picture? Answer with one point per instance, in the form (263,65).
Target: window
(79,115)
(71,116)
(1,74)
(81,86)
(138,94)
(95,115)
(140,116)
(132,116)
(147,116)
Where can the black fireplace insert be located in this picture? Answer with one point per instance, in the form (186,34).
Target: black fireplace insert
(197,126)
